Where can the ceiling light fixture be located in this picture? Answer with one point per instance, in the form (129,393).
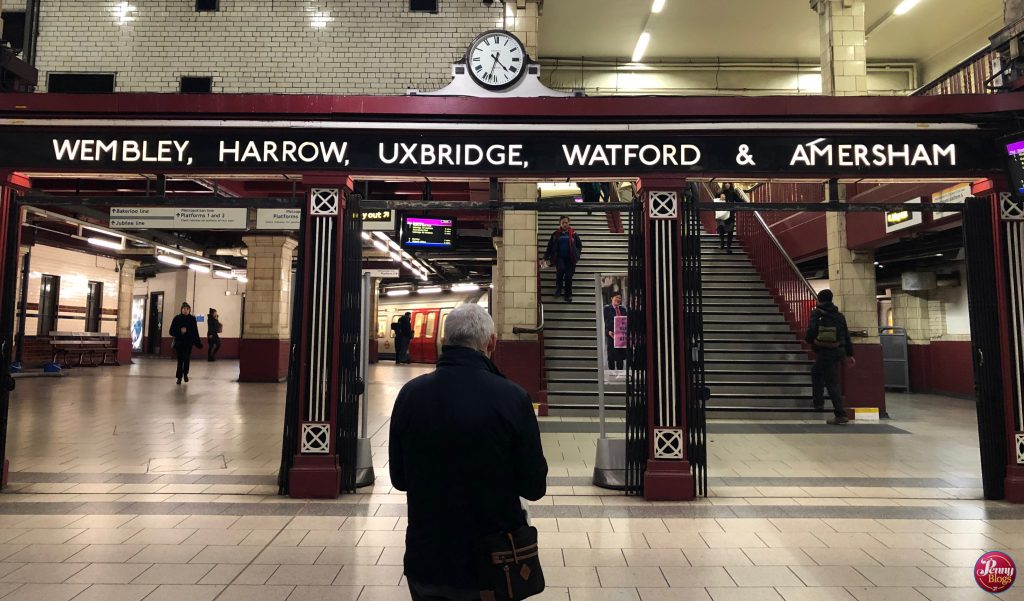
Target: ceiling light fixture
(465,287)
(365,236)
(428,290)
(169,260)
(657,6)
(107,243)
(904,7)
(199,268)
(380,246)
(398,293)
(243,279)
(641,46)
(222,274)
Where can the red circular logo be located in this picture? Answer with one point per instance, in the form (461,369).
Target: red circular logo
(995,571)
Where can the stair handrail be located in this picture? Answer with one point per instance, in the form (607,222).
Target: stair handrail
(790,289)
(782,250)
(536,330)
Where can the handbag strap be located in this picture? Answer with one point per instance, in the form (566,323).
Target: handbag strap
(515,555)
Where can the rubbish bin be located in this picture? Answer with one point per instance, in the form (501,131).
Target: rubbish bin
(895,364)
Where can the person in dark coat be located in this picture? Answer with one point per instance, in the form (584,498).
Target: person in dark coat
(403,336)
(616,356)
(727,227)
(465,446)
(564,251)
(213,330)
(829,335)
(185,332)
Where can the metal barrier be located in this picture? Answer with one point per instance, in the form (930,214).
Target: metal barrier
(895,359)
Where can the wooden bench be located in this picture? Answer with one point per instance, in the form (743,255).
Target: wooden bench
(98,349)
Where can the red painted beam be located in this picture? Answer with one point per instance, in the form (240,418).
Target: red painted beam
(438,107)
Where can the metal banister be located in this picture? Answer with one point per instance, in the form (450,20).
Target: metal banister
(536,330)
(782,250)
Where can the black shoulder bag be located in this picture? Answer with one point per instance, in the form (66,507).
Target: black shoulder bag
(512,566)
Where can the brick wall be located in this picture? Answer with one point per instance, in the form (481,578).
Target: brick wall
(362,46)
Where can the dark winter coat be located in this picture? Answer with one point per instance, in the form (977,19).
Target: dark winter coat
(191,335)
(575,246)
(465,445)
(404,327)
(213,327)
(830,313)
(609,318)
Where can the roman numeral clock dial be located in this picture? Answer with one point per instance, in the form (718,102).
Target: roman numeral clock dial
(496,59)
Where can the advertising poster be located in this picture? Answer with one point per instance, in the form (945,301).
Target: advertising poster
(138,319)
(613,296)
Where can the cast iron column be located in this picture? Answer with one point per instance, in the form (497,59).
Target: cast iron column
(316,468)
(668,476)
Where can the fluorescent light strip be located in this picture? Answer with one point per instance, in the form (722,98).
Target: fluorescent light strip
(904,7)
(641,47)
(106,243)
(428,290)
(169,260)
(398,293)
(657,6)
(199,268)
(465,287)
(222,274)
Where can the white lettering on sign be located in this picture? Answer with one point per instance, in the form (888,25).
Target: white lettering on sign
(624,155)
(876,155)
(454,155)
(126,151)
(286,151)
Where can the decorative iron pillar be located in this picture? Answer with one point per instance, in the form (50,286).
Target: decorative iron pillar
(1009,260)
(316,467)
(668,476)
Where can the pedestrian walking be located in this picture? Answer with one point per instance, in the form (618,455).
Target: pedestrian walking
(829,335)
(185,332)
(564,251)
(213,330)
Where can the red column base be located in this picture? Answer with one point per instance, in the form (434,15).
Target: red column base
(124,351)
(669,481)
(262,360)
(313,477)
(1014,484)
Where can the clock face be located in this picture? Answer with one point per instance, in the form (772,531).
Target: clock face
(496,60)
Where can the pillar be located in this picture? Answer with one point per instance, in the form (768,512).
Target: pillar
(522,17)
(844,70)
(1013,11)
(668,476)
(515,299)
(851,275)
(263,350)
(315,470)
(912,312)
(125,288)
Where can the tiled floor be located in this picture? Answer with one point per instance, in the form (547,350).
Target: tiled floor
(127,487)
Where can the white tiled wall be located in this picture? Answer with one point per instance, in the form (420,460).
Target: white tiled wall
(359,47)
(76,270)
(201,291)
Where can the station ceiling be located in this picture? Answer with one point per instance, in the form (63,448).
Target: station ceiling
(759,29)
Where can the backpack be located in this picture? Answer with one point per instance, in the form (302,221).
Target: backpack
(828,330)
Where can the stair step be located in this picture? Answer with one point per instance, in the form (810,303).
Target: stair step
(723,376)
(762,389)
(742,354)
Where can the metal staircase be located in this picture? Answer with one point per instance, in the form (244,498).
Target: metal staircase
(570,330)
(753,360)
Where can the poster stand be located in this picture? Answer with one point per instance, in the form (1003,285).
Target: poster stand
(610,461)
(364,458)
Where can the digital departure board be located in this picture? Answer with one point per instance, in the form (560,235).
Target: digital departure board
(1015,150)
(429,232)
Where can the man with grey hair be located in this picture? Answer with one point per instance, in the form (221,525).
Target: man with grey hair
(465,445)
